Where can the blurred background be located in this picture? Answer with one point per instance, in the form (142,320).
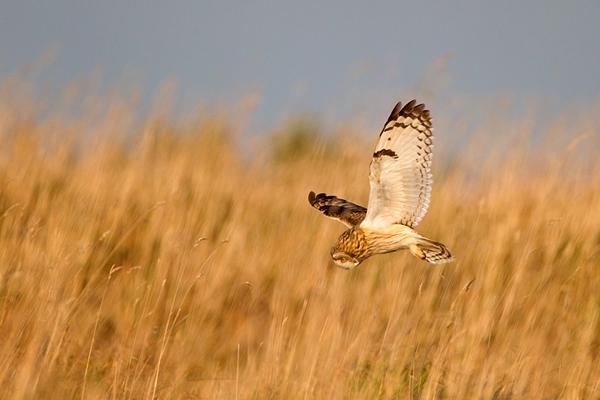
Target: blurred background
(336,60)
(156,239)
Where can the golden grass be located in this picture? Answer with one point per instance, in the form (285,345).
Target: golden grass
(163,263)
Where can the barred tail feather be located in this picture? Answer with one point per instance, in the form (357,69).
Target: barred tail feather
(431,251)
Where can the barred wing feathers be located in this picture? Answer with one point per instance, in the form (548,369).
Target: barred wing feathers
(348,213)
(400,171)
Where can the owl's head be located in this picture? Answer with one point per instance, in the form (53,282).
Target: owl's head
(348,250)
(345,260)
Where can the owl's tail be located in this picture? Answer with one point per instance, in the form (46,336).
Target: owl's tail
(431,251)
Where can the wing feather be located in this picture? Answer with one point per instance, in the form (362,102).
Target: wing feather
(349,214)
(400,171)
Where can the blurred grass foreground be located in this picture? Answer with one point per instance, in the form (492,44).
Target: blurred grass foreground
(151,258)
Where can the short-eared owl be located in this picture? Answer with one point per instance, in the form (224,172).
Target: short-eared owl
(400,181)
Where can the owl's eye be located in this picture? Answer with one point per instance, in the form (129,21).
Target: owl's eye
(344,260)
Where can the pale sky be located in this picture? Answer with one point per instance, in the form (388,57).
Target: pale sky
(328,58)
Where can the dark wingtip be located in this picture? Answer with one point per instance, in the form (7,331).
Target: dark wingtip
(394,114)
(398,106)
(415,110)
(396,111)
(418,109)
(408,108)
(311,197)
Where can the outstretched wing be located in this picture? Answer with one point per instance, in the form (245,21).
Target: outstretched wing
(399,174)
(347,213)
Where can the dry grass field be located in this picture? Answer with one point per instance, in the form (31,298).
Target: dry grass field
(152,258)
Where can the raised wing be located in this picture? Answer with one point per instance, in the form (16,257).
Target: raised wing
(347,213)
(399,174)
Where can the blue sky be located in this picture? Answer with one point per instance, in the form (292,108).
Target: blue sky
(335,59)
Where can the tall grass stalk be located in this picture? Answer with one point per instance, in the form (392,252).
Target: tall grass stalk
(106,290)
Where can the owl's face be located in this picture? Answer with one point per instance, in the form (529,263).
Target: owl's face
(345,260)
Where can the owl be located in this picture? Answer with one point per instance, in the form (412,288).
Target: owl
(400,180)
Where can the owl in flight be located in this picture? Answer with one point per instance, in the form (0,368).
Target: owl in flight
(400,182)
